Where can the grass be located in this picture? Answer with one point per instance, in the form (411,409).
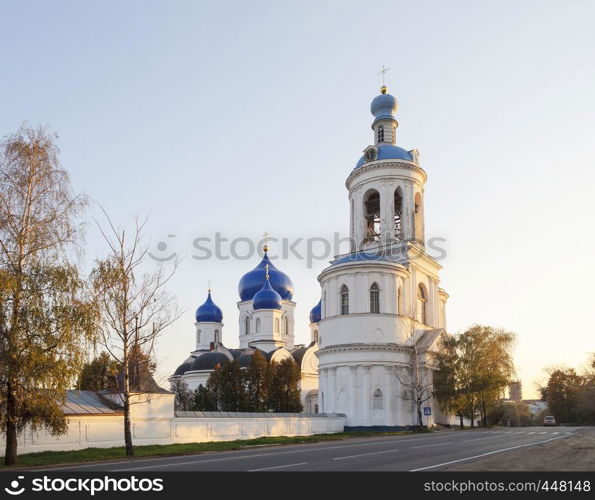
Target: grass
(99,454)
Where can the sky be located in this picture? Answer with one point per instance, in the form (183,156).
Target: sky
(244,117)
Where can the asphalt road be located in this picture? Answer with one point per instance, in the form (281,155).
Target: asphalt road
(383,453)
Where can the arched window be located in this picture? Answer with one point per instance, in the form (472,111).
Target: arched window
(198,336)
(276,325)
(247,325)
(344,300)
(324,305)
(315,339)
(374,298)
(419,229)
(400,301)
(380,133)
(257,325)
(378,402)
(398,210)
(422,300)
(286,325)
(217,337)
(372,216)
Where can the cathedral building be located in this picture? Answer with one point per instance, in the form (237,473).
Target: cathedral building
(266,324)
(381,312)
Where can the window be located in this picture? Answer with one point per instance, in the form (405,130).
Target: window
(257,325)
(247,325)
(372,217)
(380,133)
(217,337)
(422,300)
(286,325)
(315,339)
(419,236)
(374,298)
(398,210)
(344,300)
(378,402)
(198,336)
(276,325)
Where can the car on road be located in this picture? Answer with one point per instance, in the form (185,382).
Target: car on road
(549,420)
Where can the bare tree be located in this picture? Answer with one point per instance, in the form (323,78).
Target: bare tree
(416,377)
(134,307)
(46,318)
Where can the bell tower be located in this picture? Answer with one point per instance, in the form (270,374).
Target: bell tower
(386,189)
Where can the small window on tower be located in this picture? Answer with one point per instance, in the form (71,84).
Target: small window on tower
(421,305)
(344,300)
(372,215)
(247,325)
(217,337)
(277,325)
(286,325)
(380,133)
(374,298)
(257,325)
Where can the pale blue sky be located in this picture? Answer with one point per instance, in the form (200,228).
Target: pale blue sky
(242,117)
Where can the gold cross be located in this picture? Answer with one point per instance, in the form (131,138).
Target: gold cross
(383,73)
(267,271)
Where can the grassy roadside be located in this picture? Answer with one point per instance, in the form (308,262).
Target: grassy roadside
(100,454)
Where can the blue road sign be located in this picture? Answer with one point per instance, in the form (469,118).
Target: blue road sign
(427,411)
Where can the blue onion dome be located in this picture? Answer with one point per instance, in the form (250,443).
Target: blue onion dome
(254,280)
(209,311)
(316,312)
(384,106)
(267,298)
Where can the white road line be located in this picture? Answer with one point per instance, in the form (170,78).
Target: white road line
(365,454)
(532,432)
(484,454)
(277,467)
(428,445)
(299,450)
(555,432)
(544,432)
(481,439)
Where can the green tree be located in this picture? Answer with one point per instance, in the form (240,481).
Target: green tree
(283,393)
(46,318)
(98,374)
(204,399)
(232,395)
(257,384)
(562,393)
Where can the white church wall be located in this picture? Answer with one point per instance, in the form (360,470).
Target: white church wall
(99,431)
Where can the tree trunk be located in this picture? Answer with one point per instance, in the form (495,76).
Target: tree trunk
(127,426)
(420,421)
(461,421)
(10,457)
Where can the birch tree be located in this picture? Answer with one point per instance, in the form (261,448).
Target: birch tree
(46,318)
(135,308)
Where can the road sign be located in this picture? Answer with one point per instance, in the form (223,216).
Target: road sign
(427,411)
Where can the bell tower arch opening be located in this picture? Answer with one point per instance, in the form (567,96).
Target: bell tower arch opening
(372,216)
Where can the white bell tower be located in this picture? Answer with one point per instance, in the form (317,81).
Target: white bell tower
(383,297)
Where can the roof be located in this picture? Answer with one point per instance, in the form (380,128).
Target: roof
(87,403)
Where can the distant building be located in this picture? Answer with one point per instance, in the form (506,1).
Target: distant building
(515,391)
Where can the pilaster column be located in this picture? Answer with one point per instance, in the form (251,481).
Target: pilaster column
(332,390)
(352,394)
(366,396)
(389,394)
(322,389)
